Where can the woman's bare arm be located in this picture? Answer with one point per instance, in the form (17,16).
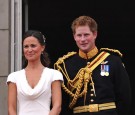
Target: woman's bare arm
(12,99)
(56,98)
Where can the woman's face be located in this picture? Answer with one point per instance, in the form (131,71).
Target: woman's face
(32,49)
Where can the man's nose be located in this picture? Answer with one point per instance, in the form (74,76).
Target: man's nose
(82,37)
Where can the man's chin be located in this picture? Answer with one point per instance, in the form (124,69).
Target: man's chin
(84,50)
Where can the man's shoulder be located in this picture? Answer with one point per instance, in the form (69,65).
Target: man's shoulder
(66,56)
(112,51)
(69,54)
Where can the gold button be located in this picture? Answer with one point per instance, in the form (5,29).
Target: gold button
(93,108)
(88,63)
(91,100)
(91,94)
(92,89)
(91,84)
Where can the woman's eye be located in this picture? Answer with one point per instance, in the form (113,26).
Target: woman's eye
(33,45)
(25,46)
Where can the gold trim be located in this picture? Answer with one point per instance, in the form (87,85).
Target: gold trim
(94,107)
(88,55)
(83,77)
(91,66)
(98,60)
(112,50)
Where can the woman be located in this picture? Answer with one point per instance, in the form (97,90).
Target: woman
(36,86)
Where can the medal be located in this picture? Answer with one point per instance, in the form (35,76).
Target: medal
(102,73)
(104,70)
(106,73)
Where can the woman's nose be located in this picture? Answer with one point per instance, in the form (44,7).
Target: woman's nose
(29,49)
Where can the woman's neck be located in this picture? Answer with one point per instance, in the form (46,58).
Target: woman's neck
(33,66)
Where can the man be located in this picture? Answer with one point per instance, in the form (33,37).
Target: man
(95,80)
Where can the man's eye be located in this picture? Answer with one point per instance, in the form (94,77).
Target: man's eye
(79,35)
(86,35)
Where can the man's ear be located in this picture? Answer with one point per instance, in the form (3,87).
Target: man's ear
(74,37)
(95,34)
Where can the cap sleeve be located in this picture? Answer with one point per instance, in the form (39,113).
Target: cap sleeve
(11,78)
(57,75)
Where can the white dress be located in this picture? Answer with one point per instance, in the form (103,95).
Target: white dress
(34,101)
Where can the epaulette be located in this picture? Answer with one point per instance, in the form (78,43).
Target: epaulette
(117,52)
(69,54)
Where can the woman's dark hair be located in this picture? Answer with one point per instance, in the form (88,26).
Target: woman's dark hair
(42,40)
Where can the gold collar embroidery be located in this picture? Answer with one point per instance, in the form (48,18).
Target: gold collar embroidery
(88,55)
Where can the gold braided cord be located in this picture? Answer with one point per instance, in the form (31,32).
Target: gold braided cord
(80,75)
(61,61)
(112,50)
(71,82)
(78,89)
(82,78)
(68,90)
(84,75)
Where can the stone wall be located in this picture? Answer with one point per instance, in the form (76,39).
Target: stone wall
(4,53)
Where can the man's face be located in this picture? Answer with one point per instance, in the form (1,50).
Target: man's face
(85,38)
